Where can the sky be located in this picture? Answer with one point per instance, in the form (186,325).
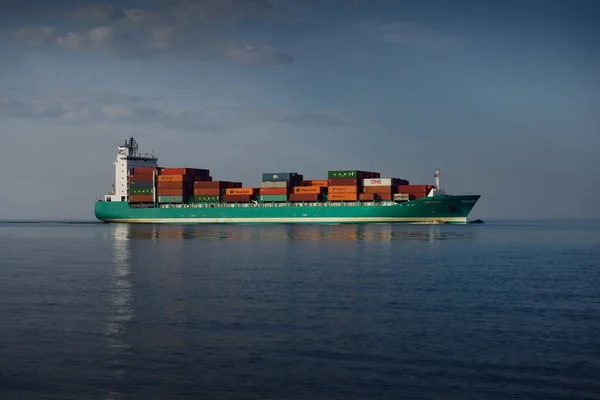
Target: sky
(502,97)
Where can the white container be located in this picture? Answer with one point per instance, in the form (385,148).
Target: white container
(401,197)
(273,185)
(377,182)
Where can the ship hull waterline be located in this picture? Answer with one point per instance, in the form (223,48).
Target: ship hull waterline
(429,210)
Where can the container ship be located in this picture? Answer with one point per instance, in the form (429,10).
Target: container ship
(144,192)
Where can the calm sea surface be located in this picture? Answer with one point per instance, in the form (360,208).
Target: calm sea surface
(492,311)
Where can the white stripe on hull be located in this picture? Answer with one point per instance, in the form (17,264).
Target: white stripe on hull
(290,220)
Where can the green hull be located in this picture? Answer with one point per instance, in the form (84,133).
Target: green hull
(439,209)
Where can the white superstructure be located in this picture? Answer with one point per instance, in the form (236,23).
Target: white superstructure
(127,159)
(437,191)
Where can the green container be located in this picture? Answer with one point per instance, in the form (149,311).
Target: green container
(170,199)
(206,199)
(273,197)
(135,191)
(342,174)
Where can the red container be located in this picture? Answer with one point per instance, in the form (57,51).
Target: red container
(217,184)
(414,196)
(141,178)
(173,185)
(237,198)
(172,192)
(378,189)
(303,197)
(141,198)
(174,171)
(273,191)
(385,197)
(342,182)
(143,170)
(412,188)
(207,192)
(366,196)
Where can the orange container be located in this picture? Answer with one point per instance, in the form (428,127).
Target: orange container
(172,185)
(320,182)
(241,191)
(141,198)
(273,191)
(173,178)
(207,192)
(343,189)
(366,197)
(304,197)
(308,189)
(343,196)
(170,192)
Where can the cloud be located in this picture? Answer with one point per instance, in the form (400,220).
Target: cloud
(113,108)
(412,34)
(188,29)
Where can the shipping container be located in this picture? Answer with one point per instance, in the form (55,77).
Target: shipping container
(342,189)
(141,198)
(308,189)
(342,196)
(141,178)
(173,185)
(281,176)
(273,191)
(352,174)
(173,192)
(366,196)
(296,197)
(274,198)
(144,170)
(202,178)
(208,192)
(237,198)
(217,184)
(173,178)
(241,191)
(177,171)
(378,189)
(273,184)
(384,197)
(315,182)
(342,182)
(141,185)
(137,191)
(377,182)
(401,197)
(207,199)
(412,188)
(170,199)
(414,196)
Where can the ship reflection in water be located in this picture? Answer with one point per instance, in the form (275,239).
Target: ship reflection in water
(374,233)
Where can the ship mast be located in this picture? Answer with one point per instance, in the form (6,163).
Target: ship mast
(437,179)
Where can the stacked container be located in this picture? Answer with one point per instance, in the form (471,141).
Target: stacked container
(141,185)
(209,191)
(343,189)
(307,193)
(380,188)
(414,191)
(276,187)
(239,195)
